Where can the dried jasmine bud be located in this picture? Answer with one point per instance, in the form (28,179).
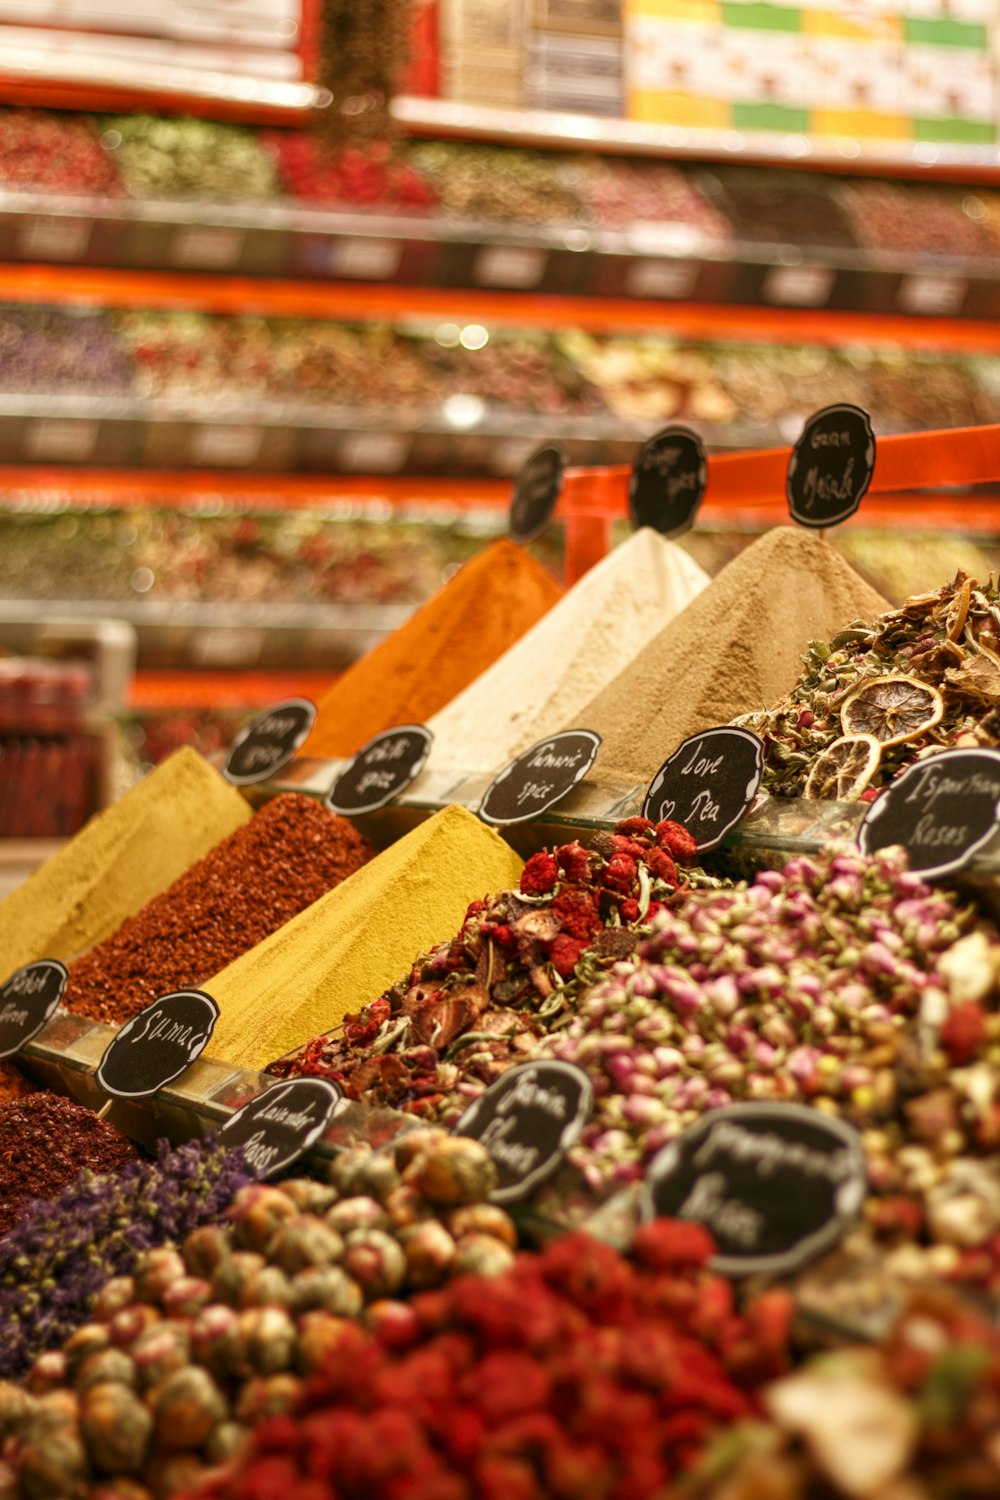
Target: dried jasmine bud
(187,1408)
(429,1250)
(107,1366)
(156,1271)
(186,1296)
(210,1331)
(376,1261)
(306,1241)
(205,1248)
(115,1294)
(328,1289)
(268,1396)
(455,1171)
(308,1195)
(231,1276)
(357,1213)
(320,1333)
(481,1255)
(262,1342)
(483,1218)
(47,1373)
(160,1352)
(258,1212)
(116,1428)
(269,1287)
(52,1460)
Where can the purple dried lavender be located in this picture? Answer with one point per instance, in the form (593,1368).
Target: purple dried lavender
(62,1251)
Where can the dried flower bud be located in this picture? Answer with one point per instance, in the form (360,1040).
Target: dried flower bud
(357,1213)
(226,1443)
(320,1333)
(232,1275)
(306,1241)
(429,1251)
(405,1206)
(104,1367)
(155,1271)
(116,1428)
(47,1373)
(115,1294)
(308,1195)
(328,1289)
(159,1352)
(261,1343)
(376,1261)
(457,1170)
(52,1460)
(394,1323)
(483,1218)
(186,1296)
(210,1330)
(417,1143)
(363,1172)
(481,1255)
(174,1474)
(257,1212)
(15,1406)
(204,1248)
(126,1325)
(268,1287)
(187,1408)
(86,1340)
(268,1396)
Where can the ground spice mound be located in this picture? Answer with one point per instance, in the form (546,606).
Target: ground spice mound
(13,1083)
(356,941)
(736,648)
(547,677)
(45,1140)
(119,861)
(290,853)
(480,612)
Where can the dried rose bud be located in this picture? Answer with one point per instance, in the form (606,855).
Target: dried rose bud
(226,1443)
(210,1330)
(308,1195)
(187,1408)
(268,1396)
(429,1251)
(232,1275)
(457,1170)
(186,1296)
(363,1172)
(376,1262)
(326,1288)
(116,1428)
(483,1218)
(262,1343)
(106,1366)
(306,1241)
(357,1213)
(394,1323)
(159,1352)
(204,1248)
(126,1325)
(62,1405)
(268,1287)
(52,1460)
(47,1372)
(257,1212)
(481,1255)
(320,1333)
(115,1294)
(82,1343)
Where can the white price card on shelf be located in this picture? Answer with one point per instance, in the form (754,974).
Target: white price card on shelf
(60,439)
(365,259)
(661,278)
(210,246)
(373,452)
(43,237)
(934,296)
(227,445)
(519,266)
(798,286)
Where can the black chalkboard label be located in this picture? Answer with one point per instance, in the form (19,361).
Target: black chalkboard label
(28,1000)
(269,742)
(380,770)
(158,1044)
(668,481)
(278,1126)
(527,1121)
(777,1184)
(536,491)
(708,784)
(831,466)
(539,778)
(941,810)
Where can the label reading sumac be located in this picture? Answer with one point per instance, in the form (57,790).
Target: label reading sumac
(527,1121)
(278,1126)
(831,466)
(269,742)
(668,481)
(777,1184)
(380,770)
(28,1000)
(536,491)
(708,784)
(158,1044)
(539,778)
(941,810)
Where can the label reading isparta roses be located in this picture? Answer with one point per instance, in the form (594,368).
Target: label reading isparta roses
(941,810)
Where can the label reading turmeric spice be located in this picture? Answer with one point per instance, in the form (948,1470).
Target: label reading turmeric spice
(539,778)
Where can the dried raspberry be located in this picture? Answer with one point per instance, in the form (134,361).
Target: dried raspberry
(574,862)
(501,934)
(661,866)
(629,910)
(564,954)
(539,874)
(577,914)
(673,1242)
(675,838)
(630,828)
(620,873)
(629,847)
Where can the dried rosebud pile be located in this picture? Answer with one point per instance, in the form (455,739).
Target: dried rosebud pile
(576,1373)
(476,1005)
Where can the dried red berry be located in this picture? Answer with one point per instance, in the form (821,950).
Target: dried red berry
(676,839)
(539,874)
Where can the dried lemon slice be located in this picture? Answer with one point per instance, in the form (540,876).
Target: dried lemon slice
(844,769)
(893,709)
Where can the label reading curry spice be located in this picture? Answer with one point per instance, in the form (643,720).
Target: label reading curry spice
(831,466)
(539,778)
(527,1121)
(28,1000)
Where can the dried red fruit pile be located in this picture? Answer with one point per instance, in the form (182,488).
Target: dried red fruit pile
(474,1006)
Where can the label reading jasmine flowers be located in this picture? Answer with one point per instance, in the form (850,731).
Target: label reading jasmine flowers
(269,742)
(527,1121)
(777,1184)
(381,770)
(668,481)
(158,1044)
(708,784)
(278,1126)
(28,1000)
(831,466)
(941,810)
(539,778)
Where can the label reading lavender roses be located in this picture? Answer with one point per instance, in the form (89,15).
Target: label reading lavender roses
(527,1121)
(831,466)
(668,481)
(278,1126)
(380,770)
(28,1000)
(777,1184)
(539,778)
(269,742)
(536,491)
(941,810)
(158,1044)
(708,784)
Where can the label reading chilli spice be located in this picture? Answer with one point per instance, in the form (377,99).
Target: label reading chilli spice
(708,784)
(941,810)
(527,1121)
(158,1044)
(28,1000)
(539,778)
(269,742)
(668,481)
(278,1126)
(776,1184)
(536,492)
(381,770)
(831,466)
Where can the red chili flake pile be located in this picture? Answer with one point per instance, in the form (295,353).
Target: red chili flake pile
(476,1005)
(576,1373)
(45,1140)
(289,854)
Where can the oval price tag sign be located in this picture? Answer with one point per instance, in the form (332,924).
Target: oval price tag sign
(536,492)
(269,742)
(668,481)
(539,778)
(28,1000)
(380,770)
(527,1121)
(279,1125)
(776,1184)
(831,466)
(708,784)
(941,810)
(158,1044)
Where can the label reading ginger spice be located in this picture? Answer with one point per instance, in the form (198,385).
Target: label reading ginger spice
(536,491)
(941,810)
(28,1000)
(157,1045)
(278,1126)
(527,1121)
(668,481)
(381,770)
(268,743)
(831,466)
(708,784)
(539,778)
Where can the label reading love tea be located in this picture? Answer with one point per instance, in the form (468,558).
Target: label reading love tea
(539,778)
(708,784)
(527,1121)
(668,481)
(831,466)
(380,770)
(776,1184)
(536,491)
(941,810)
(158,1044)
(269,742)
(28,1000)
(278,1126)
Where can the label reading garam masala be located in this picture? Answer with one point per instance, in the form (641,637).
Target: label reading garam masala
(541,777)
(708,784)
(668,481)
(831,466)
(278,1126)
(941,810)
(527,1121)
(28,1000)
(158,1044)
(536,491)
(380,770)
(267,744)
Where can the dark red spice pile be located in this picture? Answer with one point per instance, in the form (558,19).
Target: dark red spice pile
(576,1373)
(45,1140)
(476,1005)
(13,1083)
(289,854)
